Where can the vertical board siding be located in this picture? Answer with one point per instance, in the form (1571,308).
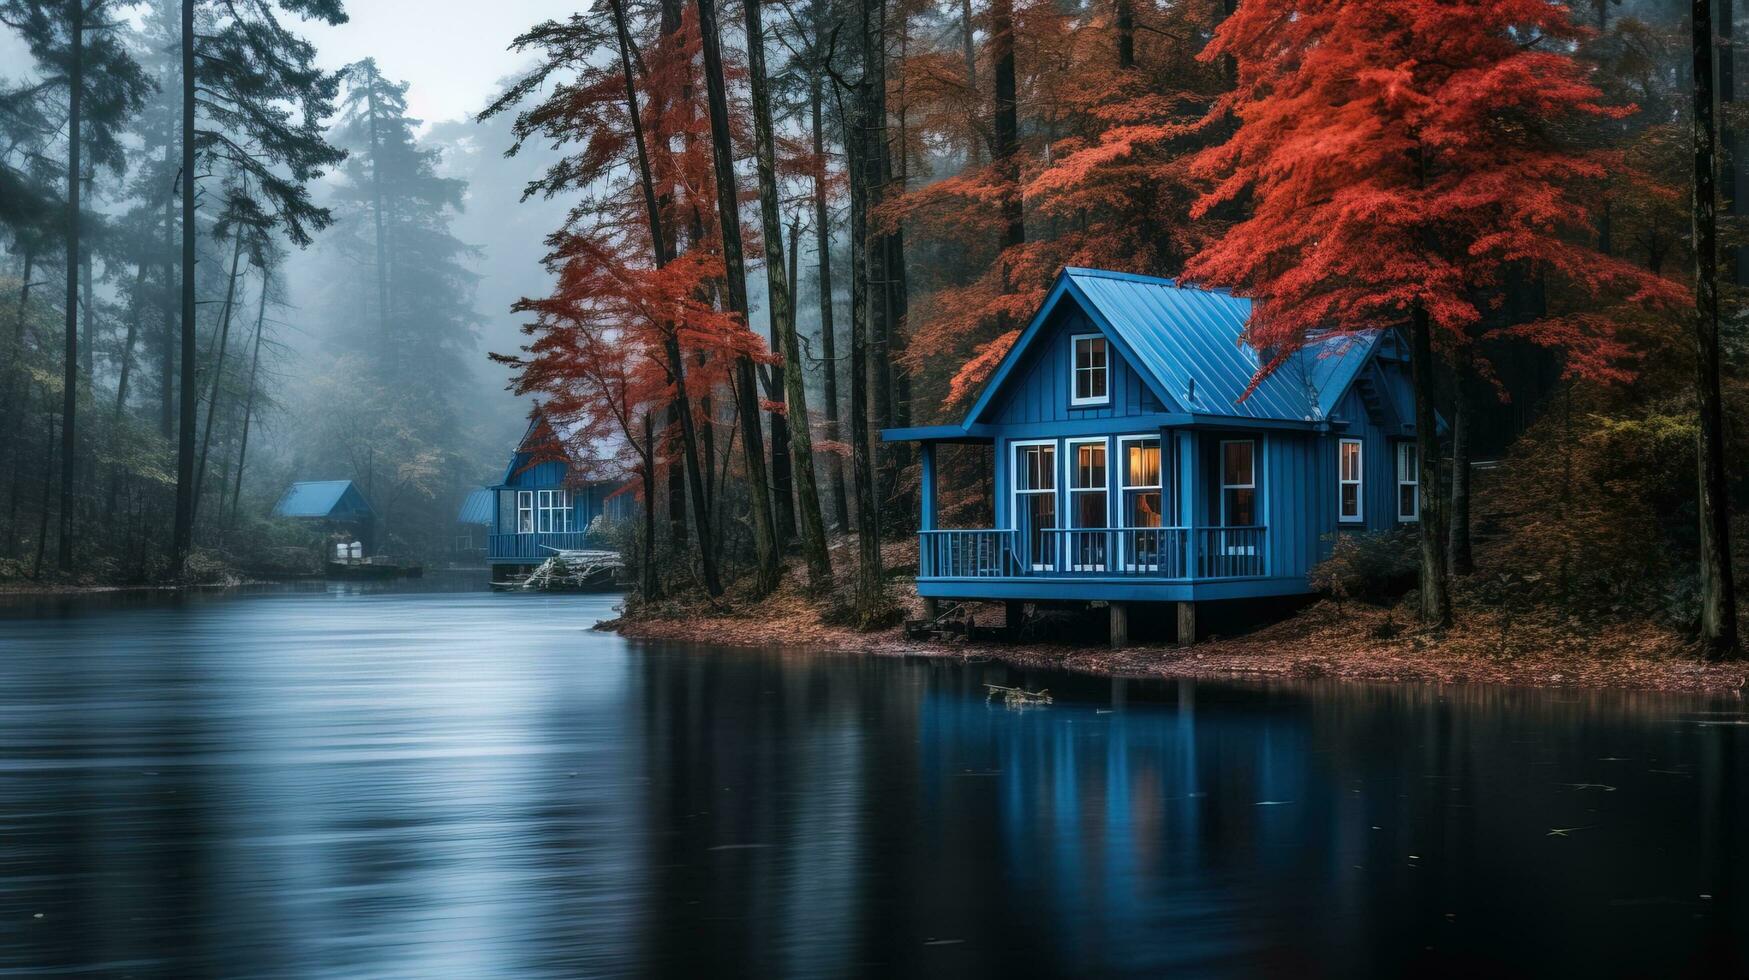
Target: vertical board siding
(1040,392)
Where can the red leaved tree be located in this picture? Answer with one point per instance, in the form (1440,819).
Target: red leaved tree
(1395,159)
(1113,100)
(630,329)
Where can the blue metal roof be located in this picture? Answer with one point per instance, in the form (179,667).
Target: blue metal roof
(476,508)
(336,500)
(1188,344)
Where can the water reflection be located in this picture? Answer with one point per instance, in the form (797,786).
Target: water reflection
(377,783)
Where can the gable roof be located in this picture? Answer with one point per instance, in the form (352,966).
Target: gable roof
(336,500)
(476,507)
(540,443)
(1187,344)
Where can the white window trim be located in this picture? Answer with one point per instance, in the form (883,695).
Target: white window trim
(1123,491)
(1413,480)
(1234,544)
(525,505)
(1359,482)
(1071,468)
(1221,463)
(1075,370)
(1015,493)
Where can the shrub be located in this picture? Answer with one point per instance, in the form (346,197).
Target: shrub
(1372,566)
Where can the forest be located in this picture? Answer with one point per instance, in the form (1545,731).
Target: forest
(780,229)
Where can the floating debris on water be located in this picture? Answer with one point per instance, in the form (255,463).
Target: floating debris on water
(1018,697)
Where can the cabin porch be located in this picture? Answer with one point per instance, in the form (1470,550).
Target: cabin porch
(1179,514)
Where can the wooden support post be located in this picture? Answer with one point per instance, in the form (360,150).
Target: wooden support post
(931,608)
(1190,501)
(1186,623)
(1120,624)
(1016,614)
(926,561)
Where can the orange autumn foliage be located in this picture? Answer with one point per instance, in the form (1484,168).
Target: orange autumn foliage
(1432,149)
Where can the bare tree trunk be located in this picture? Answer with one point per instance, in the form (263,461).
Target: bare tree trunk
(1460,555)
(42,525)
(88,321)
(376,191)
(17,393)
(127,347)
(1732,188)
(1126,34)
(1718,612)
(870,592)
(647,580)
(769,568)
(828,340)
(682,407)
(971,59)
(800,441)
(249,399)
(167,354)
(70,374)
(1435,596)
(183,535)
(1007,129)
(212,402)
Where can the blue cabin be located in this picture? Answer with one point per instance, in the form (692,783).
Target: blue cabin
(538,507)
(333,505)
(1130,467)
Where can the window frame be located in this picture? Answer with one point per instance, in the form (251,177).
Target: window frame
(1221,464)
(1055,491)
(1072,472)
(1408,477)
(1103,372)
(525,512)
(1358,482)
(1142,562)
(1231,544)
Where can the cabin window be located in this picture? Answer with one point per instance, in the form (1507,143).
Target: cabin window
(553,513)
(525,512)
(1092,370)
(1035,501)
(1143,512)
(1408,482)
(1088,509)
(1348,480)
(1142,499)
(1239,483)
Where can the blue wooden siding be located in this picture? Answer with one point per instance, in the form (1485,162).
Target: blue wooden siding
(1042,392)
(1297,500)
(549,475)
(1378,466)
(1363,393)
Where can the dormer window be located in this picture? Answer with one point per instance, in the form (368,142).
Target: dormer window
(1091,378)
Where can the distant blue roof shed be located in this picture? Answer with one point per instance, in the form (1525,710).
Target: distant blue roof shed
(330,500)
(476,508)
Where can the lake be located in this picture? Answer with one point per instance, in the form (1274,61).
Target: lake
(352,782)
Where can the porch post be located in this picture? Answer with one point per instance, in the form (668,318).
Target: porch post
(1190,502)
(1186,623)
(1120,624)
(926,519)
(926,523)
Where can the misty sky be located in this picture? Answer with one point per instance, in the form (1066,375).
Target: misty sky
(454,52)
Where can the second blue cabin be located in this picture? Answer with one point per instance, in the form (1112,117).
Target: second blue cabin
(540,507)
(1132,467)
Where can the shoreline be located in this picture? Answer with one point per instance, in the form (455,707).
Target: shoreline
(1322,643)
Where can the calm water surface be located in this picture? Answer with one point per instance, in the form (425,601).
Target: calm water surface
(373,784)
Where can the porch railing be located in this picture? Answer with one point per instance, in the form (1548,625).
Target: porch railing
(1173,553)
(536,546)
